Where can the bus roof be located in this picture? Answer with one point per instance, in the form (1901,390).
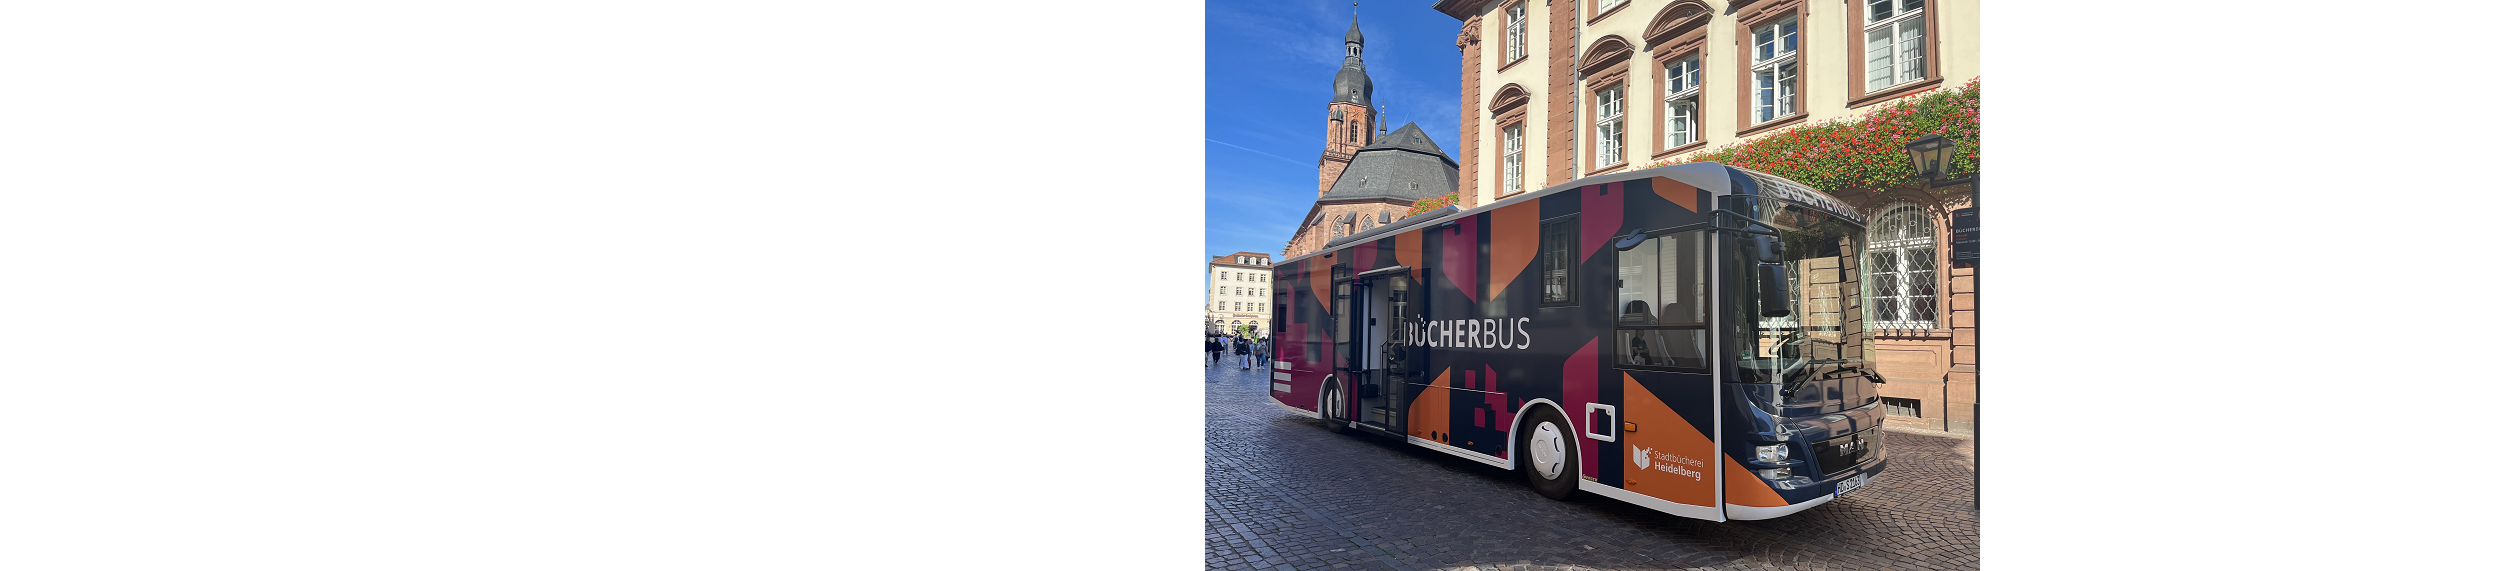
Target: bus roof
(1707,176)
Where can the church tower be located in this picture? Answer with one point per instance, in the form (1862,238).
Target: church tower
(1350,114)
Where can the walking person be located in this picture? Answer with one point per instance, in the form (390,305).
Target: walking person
(1263,349)
(1241,346)
(1215,352)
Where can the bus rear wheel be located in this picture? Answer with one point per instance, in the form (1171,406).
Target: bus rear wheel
(1332,408)
(1550,458)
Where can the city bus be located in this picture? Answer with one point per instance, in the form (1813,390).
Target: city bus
(1685,338)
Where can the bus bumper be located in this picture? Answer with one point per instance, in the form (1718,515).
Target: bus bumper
(1871,469)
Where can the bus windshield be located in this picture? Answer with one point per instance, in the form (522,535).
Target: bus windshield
(1824,333)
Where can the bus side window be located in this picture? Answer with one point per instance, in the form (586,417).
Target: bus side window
(1636,284)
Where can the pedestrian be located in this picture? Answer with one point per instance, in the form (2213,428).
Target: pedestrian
(1215,352)
(1242,349)
(1263,349)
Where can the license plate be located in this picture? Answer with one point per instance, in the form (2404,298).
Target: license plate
(1854,482)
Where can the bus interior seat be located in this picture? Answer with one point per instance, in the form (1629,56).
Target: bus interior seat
(1636,311)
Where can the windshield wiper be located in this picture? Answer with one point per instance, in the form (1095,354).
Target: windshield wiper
(1790,384)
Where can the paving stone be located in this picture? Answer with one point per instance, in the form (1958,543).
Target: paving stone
(1284,493)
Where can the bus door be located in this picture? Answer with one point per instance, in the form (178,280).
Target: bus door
(1662,357)
(1373,356)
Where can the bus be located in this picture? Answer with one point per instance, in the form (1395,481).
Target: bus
(1686,338)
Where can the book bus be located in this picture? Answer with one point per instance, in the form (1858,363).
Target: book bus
(1686,338)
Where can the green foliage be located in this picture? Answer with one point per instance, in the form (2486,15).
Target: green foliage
(1864,152)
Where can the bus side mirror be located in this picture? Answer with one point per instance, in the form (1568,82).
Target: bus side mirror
(1768,249)
(1628,242)
(1774,282)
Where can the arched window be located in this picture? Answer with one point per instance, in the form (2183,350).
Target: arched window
(1901,269)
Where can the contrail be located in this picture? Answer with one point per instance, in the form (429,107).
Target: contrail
(1255,151)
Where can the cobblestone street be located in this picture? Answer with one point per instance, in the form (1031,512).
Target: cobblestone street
(1283,493)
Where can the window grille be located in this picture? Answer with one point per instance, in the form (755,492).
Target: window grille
(1901,269)
(1900,407)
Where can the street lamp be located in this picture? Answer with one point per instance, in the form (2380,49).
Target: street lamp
(1931,155)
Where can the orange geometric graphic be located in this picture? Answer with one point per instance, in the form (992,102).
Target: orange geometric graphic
(1667,459)
(1429,416)
(1410,247)
(1681,194)
(1514,242)
(1315,278)
(1744,489)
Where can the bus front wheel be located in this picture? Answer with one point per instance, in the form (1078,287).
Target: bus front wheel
(1551,459)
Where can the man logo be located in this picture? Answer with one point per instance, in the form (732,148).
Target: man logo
(1640,457)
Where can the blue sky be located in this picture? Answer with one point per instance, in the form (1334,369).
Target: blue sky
(1268,74)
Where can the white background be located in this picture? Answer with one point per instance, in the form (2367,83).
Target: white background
(531,285)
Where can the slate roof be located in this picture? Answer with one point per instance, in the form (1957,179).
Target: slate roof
(1354,33)
(1412,138)
(1403,166)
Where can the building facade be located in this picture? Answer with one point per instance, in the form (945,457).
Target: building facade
(1237,292)
(1367,179)
(1554,90)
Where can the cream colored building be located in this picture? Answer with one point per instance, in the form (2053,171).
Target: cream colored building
(1238,292)
(1554,90)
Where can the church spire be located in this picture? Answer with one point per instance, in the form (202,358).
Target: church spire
(1352,119)
(1353,85)
(1354,33)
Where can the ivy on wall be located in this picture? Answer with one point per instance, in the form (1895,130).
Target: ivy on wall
(1863,152)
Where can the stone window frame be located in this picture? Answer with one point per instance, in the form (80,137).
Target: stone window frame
(1606,64)
(1508,22)
(1858,96)
(1750,15)
(1603,10)
(1508,108)
(1679,31)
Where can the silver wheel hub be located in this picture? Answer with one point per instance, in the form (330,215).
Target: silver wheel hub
(1545,450)
(1332,409)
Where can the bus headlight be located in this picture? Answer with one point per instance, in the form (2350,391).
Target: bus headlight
(1774,474)
(1772,453)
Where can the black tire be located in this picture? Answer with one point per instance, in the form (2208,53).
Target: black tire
(1332,407)
(1561,484)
